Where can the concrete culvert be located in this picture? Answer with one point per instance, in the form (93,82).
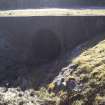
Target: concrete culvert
(46,46)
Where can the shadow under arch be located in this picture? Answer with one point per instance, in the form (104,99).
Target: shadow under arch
(46,46)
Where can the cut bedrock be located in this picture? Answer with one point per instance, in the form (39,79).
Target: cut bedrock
(38,40)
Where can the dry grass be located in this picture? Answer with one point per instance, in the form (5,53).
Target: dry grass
(46,97)
(93,58)
(91,71)
(91,74)
(54,12)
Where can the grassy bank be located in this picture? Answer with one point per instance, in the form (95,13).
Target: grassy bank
(90,73)
(53,12)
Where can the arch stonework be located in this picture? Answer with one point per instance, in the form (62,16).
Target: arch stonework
(70,31)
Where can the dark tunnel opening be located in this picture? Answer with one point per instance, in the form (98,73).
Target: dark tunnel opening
(46,46)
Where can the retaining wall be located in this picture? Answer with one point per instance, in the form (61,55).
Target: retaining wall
(38,39)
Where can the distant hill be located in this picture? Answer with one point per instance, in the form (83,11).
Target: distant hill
(81,2)
(23,4)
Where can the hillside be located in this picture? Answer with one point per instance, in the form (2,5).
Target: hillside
(89,72)
(26,4)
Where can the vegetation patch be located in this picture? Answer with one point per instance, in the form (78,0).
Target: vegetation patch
(90,73)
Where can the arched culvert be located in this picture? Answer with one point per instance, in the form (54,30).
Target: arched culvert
(46,46)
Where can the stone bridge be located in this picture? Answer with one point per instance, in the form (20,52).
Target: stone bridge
(41,39)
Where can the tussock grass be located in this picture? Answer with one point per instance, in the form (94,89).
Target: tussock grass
(51,99)
(91,71)
(53,12)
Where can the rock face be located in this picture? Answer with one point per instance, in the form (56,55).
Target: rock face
(30,41)
(7,56)
(18,97)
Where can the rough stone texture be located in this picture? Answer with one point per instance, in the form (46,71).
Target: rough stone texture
(15,96)
(18,45)
(19,34)
(7,56)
